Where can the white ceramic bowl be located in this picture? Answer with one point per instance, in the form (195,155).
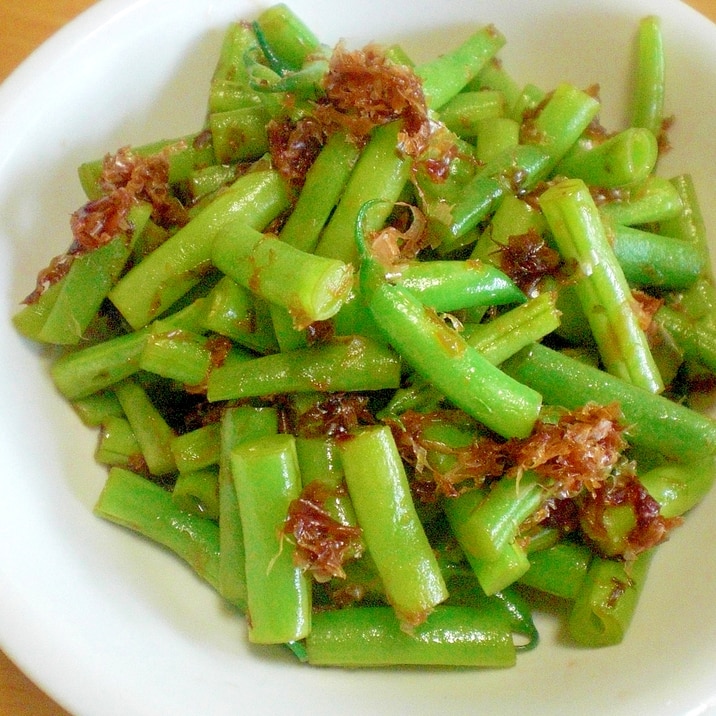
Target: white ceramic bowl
(109,624)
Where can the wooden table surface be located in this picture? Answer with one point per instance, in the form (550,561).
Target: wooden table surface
(25,25)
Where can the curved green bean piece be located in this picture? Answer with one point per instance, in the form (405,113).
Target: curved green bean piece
(442,357)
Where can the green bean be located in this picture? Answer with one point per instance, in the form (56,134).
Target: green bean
(657,199)
(118,445)
(606,601)
(600,285)
(379,172)
(198,448)
(312,288)
(197,491)
(486,523)
(378,488)
(559,122)
(81,373)
(688,225)
(238,425)
(146,508)
(451,285)
(495,136)
(559,570)
(239,135)
(172,269)
(652,421)
(267,479)
(234,311)
(150,428)
(648,98)
(372,636)
(696,339)
(325,182)
(655,260)
(285,39)
(622,160)
(185,154)
(441,356)
(464,113)
(521,165)
(182,356)
(679,487)
(446,75)
(96,408)
(343,364)
(87,283)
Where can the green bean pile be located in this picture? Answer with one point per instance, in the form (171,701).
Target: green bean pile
(328,350)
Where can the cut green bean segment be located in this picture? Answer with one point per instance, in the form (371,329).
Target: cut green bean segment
(466,111)
(623,160)
(352,363)
(378,487)
(452,636)
(448,74)
(184,154)
(197,492)
(182,356)
(649,92)
(560,122)
(600,284)
(238,425)
(234,311)
(267,479)
(81,373)
(485,524)
(286,39)
(150,428)
(146,508)
(198,448)
(324,185)
(655,260)
(606,601)
(312,288)
(653,421)
(679,487)
(696,339)
(559,570)
(379,171)
(172,269)
(118,445)
(87,283)
(451,285)
(441,356)
(657,199)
